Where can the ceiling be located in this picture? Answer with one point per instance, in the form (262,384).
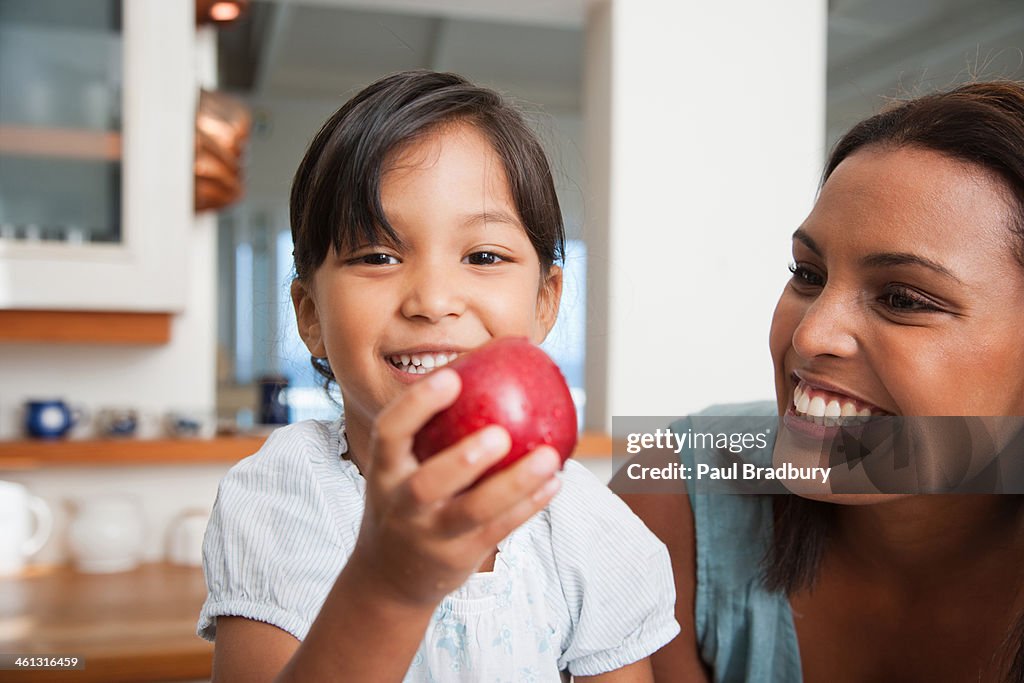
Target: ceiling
(886,48)
(321,50)
(317,49)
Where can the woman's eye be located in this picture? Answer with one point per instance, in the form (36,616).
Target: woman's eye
(802,275)
(483,258)
(377,259)
(906,300)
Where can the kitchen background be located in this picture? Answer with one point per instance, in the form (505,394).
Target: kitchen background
(687,140)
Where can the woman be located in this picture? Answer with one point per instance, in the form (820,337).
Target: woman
(907,299)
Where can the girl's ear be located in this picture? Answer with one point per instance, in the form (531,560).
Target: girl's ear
(548,299)
(308,319)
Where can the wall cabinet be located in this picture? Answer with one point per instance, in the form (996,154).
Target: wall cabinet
(97,104)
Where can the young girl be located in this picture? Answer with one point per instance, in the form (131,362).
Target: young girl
(425,223)
(906,300)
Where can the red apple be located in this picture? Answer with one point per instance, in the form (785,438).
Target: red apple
(512,383)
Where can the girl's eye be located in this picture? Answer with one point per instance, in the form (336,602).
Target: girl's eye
(804,276)
(483,258)
(377,259)
(905,300)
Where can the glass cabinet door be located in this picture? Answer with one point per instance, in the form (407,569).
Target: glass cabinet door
(97,112)
(60,121)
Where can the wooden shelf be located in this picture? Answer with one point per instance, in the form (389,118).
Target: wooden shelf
(593,445)
(61,143)
(31,455)
(88,327)
(34,455)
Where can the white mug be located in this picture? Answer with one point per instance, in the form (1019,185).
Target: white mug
(18,541)
(106,534)
(185,538)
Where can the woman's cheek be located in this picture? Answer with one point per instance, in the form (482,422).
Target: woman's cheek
(784,322)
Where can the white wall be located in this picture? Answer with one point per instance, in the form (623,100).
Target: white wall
(705,135)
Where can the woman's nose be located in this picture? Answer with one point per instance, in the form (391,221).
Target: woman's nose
(827,327)
(433,294)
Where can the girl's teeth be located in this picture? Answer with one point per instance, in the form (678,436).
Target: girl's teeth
(850,410)
(421,363)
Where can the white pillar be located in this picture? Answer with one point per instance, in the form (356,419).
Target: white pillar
(705,133)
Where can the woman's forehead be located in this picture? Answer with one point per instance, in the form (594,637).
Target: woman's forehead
(896,198)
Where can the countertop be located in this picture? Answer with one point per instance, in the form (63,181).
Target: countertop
(130,626)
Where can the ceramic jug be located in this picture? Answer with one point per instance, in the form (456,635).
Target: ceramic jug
(25,525)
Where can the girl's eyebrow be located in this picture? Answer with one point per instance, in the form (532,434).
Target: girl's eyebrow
(883,259)
(497,216)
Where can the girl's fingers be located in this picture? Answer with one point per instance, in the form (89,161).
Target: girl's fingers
(398,422)
(501,492)
(516,516)
(455,468)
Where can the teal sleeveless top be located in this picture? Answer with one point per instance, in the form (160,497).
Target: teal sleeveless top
(744,632)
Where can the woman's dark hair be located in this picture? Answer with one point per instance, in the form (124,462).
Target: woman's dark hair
(335,197)
(980,124)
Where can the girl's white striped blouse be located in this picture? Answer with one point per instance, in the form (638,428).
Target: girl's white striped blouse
(582,587)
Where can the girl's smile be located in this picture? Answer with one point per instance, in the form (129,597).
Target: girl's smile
(421,361)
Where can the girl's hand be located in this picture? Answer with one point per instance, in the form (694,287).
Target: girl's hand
(423,533)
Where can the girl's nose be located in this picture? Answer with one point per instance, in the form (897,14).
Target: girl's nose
(827,327)
(432,295)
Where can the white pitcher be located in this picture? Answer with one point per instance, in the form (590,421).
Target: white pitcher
(18,539)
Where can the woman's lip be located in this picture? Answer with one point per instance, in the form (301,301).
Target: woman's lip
(818,432)
(815,383)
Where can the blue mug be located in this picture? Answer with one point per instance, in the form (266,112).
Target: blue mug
(50,419)
(118,422)
(274,408)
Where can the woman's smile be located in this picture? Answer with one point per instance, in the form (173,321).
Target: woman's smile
(829,407)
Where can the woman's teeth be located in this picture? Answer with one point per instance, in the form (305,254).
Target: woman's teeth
(826,408)
(421,363)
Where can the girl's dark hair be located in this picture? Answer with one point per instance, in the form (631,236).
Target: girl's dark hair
(980,124)
(335,197)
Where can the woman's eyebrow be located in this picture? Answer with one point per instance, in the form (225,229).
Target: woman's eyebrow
(803,237)
(883,259)
(900,258)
